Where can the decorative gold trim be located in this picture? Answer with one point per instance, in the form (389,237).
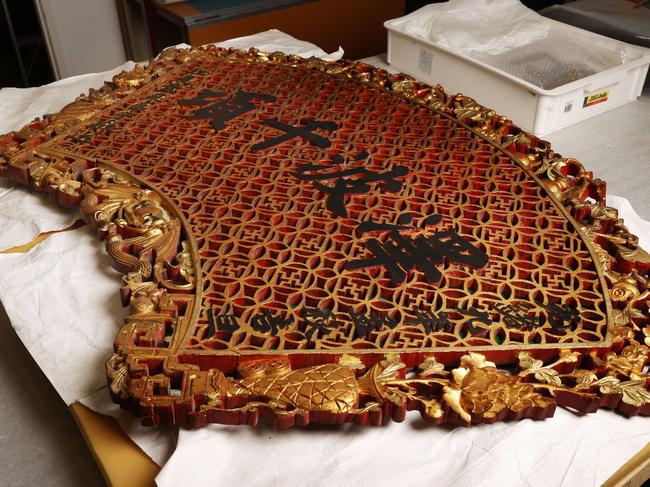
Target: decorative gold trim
(147,239)
(634,473)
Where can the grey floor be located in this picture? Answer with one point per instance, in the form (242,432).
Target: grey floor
(39,440)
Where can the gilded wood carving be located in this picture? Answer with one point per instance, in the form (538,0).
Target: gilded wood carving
(303,241)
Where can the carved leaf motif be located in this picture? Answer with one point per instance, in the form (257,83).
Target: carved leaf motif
(568,357)
(584,377)
(459,374)
(621,333)
(620,318)
(479,388)
(397,397)
(526,361)
(475,360)
(351,361)
(452,397)
(403,86)
(383,382)
(389,368)
(520,138)
(465,107)
(433,409)
(549,376)
(634,312)
(536,367)
(637,354)
(487,392)
(619,365)
(430,367)
(633,392)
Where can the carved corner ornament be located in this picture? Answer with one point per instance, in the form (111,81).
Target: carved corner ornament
(305,241)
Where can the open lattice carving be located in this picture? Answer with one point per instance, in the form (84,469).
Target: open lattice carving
(295,234)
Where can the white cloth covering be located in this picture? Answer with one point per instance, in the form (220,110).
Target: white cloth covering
(274,40)
(562,451)
(69,327)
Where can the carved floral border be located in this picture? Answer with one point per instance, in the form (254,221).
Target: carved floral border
(146,241)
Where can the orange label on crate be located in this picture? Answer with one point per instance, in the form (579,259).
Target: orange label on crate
(595,98)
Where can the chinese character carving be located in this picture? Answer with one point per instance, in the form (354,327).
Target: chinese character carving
(224,109)
(561,317)
(266,323)
(306,131)
(516,316)
(432,322)
(474,318)
(401,254)
(318,321)
(355,180)
(227,323)
(365,324)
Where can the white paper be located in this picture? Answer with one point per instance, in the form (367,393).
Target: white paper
(562,451)
(274,40)
(476,26)
(62,297)
(24,215)
(506,35)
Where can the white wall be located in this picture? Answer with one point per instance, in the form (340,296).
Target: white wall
(83,36)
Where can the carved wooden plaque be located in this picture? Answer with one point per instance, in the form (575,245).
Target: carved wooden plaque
(305,241)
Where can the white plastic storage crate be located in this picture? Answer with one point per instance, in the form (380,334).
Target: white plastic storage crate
(531,107)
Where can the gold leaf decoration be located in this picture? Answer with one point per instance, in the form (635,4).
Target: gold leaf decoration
(489,393)
(118,378)
(633,392)
(584,377)
(430,367)
(630,362)
(546,374)
(147,240)
(637,354)
(453,397)
(351,361)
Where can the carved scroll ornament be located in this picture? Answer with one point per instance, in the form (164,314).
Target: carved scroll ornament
(293,360)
